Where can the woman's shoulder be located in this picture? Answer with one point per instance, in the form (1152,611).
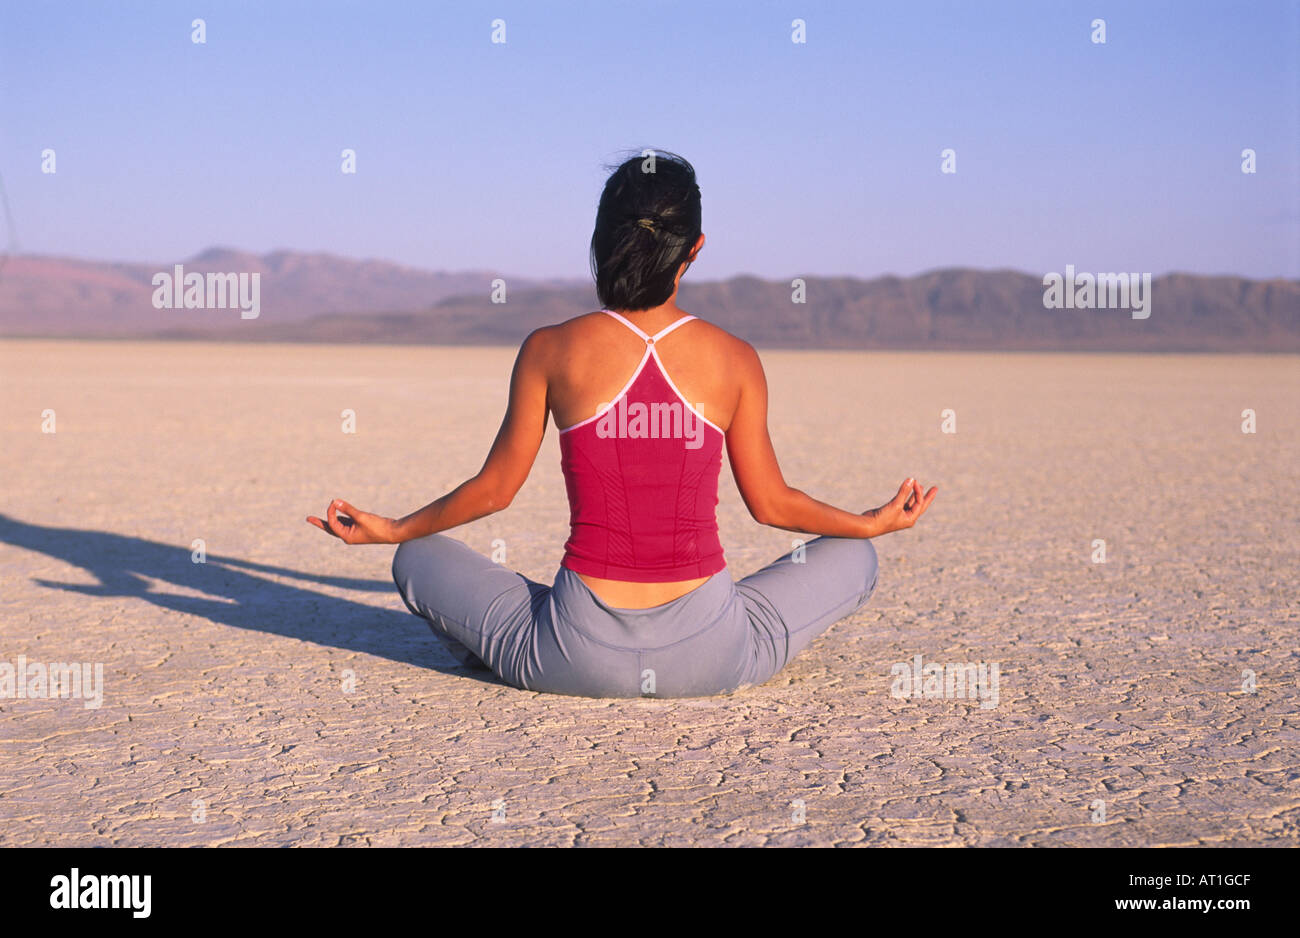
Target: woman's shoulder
(585,322)
(555,342)
(721,335)
(725,348)
(550,338)
(559,341)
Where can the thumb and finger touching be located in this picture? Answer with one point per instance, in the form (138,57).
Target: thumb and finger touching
(341,527)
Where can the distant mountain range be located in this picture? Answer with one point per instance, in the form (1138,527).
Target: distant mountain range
(323,298)
(63,296)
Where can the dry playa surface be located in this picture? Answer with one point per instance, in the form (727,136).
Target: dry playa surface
(279,693)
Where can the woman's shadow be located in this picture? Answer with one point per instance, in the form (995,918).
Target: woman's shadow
(233,596)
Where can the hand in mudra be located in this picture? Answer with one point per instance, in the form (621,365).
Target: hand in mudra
(905,507)
(353,526)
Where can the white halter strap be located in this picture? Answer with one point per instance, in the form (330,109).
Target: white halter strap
(651,339)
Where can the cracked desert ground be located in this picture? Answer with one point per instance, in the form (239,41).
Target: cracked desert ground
(280,693)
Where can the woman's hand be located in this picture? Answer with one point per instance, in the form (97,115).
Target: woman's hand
(902,512)
(355,526)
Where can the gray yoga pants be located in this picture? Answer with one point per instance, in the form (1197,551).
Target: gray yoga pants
(563,639)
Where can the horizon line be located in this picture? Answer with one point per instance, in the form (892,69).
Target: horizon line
(575,281)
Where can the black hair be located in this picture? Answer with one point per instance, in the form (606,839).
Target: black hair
(646,224)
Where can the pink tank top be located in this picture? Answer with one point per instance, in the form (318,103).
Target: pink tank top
(642,478)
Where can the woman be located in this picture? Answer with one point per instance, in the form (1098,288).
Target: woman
(642,604)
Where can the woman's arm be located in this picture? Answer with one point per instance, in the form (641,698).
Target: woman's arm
(494,486)
(772,501)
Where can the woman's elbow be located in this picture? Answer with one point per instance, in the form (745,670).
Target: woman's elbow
(493,496)
(767,512)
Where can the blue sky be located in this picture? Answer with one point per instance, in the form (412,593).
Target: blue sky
(814,159)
